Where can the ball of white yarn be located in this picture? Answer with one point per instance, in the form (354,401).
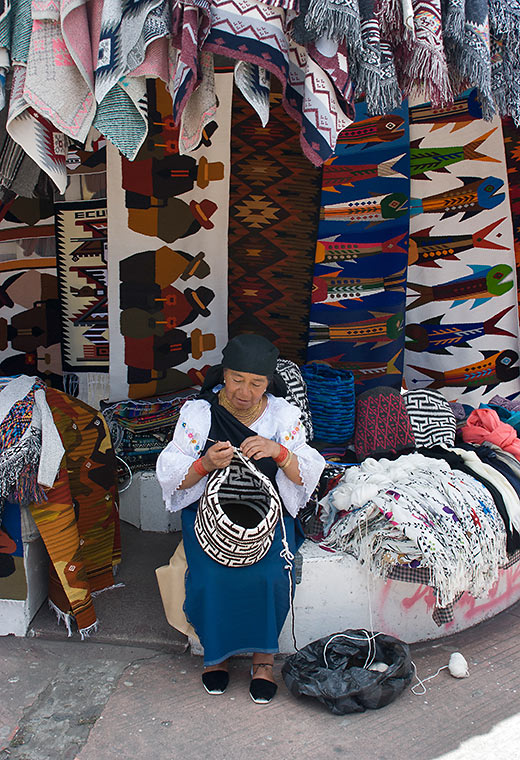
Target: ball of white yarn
(380,667)
(458,665)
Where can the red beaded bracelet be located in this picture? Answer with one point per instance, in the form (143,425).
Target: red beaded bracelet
(199,468)
(282,456)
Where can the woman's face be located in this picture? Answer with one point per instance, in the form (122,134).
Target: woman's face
(243,389)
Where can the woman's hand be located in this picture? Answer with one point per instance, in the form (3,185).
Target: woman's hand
(257,447)
(218,456)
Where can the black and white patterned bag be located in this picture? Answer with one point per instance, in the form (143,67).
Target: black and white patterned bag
(237,514)
(296,392)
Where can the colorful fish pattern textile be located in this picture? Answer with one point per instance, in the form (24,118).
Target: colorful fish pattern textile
(419,512)
(358,298)
(274,204)
(79,523)
(311,78)
(512,147)
(169,215)
(81,242)
(461,319)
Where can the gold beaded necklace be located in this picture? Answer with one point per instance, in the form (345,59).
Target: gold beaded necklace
(247,416)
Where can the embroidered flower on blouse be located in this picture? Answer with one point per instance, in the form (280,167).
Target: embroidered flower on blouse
(290,436)
(192,437)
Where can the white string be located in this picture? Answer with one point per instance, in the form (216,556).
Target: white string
(422,681)
(121,490)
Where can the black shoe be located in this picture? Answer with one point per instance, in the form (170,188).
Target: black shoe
(215,681)
(261,690)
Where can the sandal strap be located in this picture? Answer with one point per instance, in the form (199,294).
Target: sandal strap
(262,665)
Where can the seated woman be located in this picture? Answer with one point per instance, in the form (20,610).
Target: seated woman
(239,609)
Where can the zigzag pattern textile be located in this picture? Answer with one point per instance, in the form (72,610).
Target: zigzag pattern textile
(461,322)
(358,297)
(274,203)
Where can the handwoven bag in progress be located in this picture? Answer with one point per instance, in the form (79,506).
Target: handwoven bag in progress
(237,514)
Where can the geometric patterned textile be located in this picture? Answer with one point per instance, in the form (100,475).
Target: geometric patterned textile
(316,87)
(461,321)
(79,523)
(274,206)
(382,423)
(433,422)
(358,298)
(167,263)
(81,235)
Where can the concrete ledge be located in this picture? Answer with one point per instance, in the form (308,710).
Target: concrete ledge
(142,505)
(337,592)
(16,614)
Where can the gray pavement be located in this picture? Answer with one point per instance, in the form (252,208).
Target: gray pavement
(66,700)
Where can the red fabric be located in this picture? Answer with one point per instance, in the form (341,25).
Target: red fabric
(485,425)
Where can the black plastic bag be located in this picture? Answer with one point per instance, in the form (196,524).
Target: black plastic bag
(340,679)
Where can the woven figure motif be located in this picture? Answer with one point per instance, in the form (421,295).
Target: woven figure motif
(433,422)
(237,514)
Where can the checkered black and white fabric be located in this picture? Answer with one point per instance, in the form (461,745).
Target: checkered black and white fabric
(237,514)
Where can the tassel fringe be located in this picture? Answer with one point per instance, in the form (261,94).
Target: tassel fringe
(108,588)
(331,20)
(66,617)
(428,74)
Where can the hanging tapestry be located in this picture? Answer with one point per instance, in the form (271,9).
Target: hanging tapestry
(81,238)
(461,319)
(512,146)
(13,582)
(274,205)
(358,298)
(86,170)
(168,221)
(30,329)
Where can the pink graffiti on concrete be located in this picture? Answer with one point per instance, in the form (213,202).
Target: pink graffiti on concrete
(423,592)
(505,592)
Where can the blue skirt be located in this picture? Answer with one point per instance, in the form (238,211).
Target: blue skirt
(237,609)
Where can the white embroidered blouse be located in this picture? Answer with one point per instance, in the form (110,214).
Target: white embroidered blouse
(280,422)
